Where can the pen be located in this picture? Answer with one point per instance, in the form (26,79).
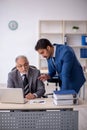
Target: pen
(41,102)
(38,102)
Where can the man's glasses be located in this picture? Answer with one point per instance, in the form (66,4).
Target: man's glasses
(25,65)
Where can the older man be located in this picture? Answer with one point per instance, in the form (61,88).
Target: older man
(26,77)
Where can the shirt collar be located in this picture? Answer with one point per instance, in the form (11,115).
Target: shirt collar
(54,51)
(23,74)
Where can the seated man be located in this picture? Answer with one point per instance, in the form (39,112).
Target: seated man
(26,77)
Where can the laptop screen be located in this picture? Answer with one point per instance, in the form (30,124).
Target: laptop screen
(11,95)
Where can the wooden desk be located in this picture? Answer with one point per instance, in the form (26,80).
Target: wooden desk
(42,116)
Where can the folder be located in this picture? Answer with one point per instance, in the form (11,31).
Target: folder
(65,94)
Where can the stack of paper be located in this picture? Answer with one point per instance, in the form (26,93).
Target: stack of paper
(65,97)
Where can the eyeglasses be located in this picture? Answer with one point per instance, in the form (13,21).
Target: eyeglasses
(25,65)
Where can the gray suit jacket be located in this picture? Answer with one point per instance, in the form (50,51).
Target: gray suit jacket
(35,85)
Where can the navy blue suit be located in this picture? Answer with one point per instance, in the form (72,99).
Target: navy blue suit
(68,68)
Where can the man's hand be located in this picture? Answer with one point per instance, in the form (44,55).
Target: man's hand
(30,96)
(44,77)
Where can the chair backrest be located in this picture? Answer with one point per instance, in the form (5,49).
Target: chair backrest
(31,66)
(13,68)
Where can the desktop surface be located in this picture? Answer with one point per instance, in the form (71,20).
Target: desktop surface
(40,104)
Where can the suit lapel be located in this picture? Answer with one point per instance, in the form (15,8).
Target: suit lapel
(30,78)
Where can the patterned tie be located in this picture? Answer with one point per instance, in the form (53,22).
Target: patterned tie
(26,86)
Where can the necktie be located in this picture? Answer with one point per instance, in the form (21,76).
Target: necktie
(25,84)
(53,61)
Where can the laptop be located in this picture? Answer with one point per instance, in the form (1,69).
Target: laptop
(12,95)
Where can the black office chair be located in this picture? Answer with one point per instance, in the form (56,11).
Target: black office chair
(55,80)
(31,66)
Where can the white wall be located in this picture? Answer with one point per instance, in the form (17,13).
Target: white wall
(27,13)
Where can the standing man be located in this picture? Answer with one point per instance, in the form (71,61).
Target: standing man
(62,60)
(26,77)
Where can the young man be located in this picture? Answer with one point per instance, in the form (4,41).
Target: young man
(26,77)
(61,60)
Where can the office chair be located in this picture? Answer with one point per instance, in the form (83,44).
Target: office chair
(55,80)
(31,66)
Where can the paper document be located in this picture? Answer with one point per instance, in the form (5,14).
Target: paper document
(37,101)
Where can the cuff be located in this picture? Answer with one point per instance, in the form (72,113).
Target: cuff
(35,95)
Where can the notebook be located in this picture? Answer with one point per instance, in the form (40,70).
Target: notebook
(12,95)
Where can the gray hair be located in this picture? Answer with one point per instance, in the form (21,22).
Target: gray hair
(21,56)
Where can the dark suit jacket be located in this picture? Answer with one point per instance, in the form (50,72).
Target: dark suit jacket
(68,67)
(35,85)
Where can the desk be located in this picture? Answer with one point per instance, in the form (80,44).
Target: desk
(39,106)
(38,118)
